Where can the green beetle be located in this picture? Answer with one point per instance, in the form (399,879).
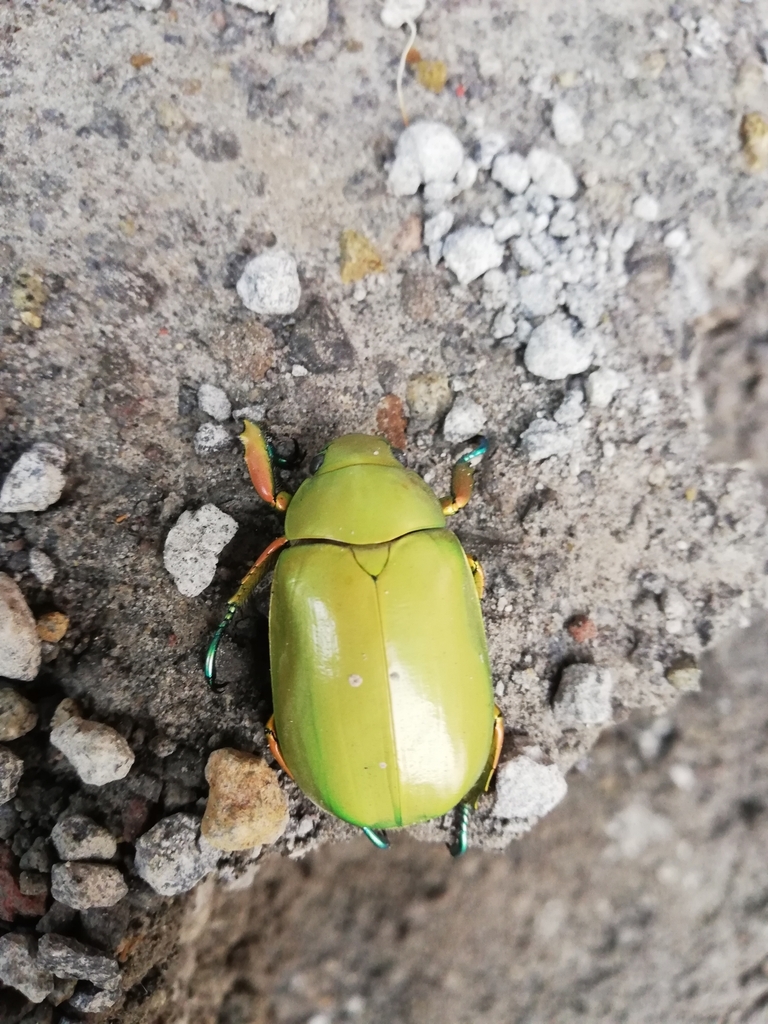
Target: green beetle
(381,683)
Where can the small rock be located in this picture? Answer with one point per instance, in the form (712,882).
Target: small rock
(437,227)
(148,5)
(543,439)
(512,172)
(429,397)
(358,257)
(426,151)
(193,545)
(246,806)
(78,837)
(37,857)
(583,697)
(466,175)
(539,294)
(97,752)
(35,481)
(552,174)
(258,6)
(527,255)
(254,413)
(172,857)
(20,653)
(81,885)
(470,251)
(505,228)
(496,292)
(33,883)
(52,627)
(19,967)
(504,325)
(553,352)
(9,821)
(214,402)
(527,790)
(67,958)
(210,438)
(17,715)
(90,999)
(488,146)
(585,304)
(65,709)
(686,678)
(391,421)
(582,629)
(298,22)
(63,989)
(571,410)
(602,385)
(11,770)
(42,567)
(646,208)
(269,284)
(395,13)
(753,132)
(566,124)
(464,420)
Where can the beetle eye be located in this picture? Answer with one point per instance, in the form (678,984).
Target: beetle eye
(316,463)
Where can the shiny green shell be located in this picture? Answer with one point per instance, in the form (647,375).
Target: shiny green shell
(381,684)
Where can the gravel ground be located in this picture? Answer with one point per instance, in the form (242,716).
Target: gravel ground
(604,324)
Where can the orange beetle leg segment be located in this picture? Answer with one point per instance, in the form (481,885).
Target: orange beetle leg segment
(274,746)
(461,488)
(259,462)
(483,783)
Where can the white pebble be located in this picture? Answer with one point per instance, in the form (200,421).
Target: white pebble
(42,567)
(554,353)
(527,255)
(438,193)
(528,790)
(297,370)
(583,697)
(214,402)
(646,208)
(97,752)
(571,409)
(426,151)
(504,325)
(524,331)
(148,5)
(602,385)
(566,124)
(552,174)
(210,438)
(512,172)
(193,545)
(464,419)
(253,413)
(300,21)
(675,239)
(437,227)
(495,289)
(257,6)
(466,175)
(269,284)
(36,479)
(470,251)
(19,643)
(435,253)
(538,295)
(543,439)
(505,228)
(488,145)
(395,13)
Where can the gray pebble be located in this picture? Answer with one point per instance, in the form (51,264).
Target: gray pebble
(210,438)
(81,885)
(504,325)
(11,770)
(19,967)
(554,353)
(466,175)
(527,790)
(512,172)
(527,255)
(193,545)
(543,439)
(42,567)
(437,227)
(172,857)
(67,958)
(603,384)
(63,989)
(438,193)
(33,883)
(90,999)
(59,917)
(78,837)
(300,21)
(496,291)
(470,251)
(505,228)
(214,402)
(552,174)
(571,409)
(17,715)
(488,146)
(35,481)
(37,857)
(254,413)
(583,697)
(465,419)
(566,124)
(539,294)
(19,643)
(269,284)
(585,304)
(97,752)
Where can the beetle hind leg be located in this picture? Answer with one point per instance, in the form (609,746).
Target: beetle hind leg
(463,477)
(379,839)
(471,800)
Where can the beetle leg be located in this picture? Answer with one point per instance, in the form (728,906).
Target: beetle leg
(259,458)
(463,477)
(379,839)
(470,801)
(252,578)
(274,746)
(478,575)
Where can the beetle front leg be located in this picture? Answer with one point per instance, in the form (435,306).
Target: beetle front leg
(260,458)
(463,477)
(478,576)
(252,578)
(471,800)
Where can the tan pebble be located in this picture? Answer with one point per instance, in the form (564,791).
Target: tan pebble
(391,422)
(30,319)
(65,709)
(246,806)
(754,141)
(358,257)
(432,74)
(691,493)
(17,715)
(52,626)
(408,237)
(686,678)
